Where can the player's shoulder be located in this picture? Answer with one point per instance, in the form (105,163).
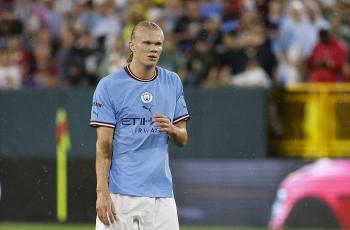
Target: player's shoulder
(112,78)
(167,74)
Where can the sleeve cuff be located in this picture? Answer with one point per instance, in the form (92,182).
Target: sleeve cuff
(96,124)
(181,118)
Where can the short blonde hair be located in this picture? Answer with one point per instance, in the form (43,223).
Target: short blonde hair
(144,24)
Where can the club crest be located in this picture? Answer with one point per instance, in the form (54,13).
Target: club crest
(146,97)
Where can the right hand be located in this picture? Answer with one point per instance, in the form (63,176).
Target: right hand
(105,208)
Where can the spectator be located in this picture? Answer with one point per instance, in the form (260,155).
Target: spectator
(327,59)
(23,10)
(274,12)
(136,14)
(339,29)
(253,76)
(19,56)
(108,24)
(188,25)
(298,37)
(268,32)
(87,16)
(172,59)
(250,45)
(44,69)
(211,29)
(83,63)
(10,24)
(291,42)
(209,8)
(48,18)
(10,75)
(171,12)
(226,60)
(63,54)
(115,58)
(199,61)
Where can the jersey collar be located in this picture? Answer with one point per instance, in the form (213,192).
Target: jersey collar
(131,74)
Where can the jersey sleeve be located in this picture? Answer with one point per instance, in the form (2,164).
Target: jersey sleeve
(181,112)
(102,111)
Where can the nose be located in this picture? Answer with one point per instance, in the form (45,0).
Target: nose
(154,49)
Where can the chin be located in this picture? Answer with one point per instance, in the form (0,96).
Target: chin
(150,65)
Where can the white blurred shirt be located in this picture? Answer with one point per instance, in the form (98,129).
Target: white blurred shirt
(10,77)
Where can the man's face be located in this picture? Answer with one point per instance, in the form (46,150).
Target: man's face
(147,46)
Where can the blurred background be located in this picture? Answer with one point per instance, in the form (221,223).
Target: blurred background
(267,86)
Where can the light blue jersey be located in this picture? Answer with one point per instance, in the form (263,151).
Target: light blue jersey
(140,162)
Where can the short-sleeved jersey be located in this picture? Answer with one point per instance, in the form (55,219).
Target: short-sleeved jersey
(140,161)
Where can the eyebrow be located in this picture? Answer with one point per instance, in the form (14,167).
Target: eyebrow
(152,42)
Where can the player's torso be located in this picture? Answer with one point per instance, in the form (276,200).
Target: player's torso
(135,103)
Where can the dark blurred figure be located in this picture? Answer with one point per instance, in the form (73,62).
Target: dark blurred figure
(327,59)
(346,70)
(83,62)
(9,24)
(43,68)
(274,14)
(211,29)
(63,54)
(232,9)
(199,61)
(239,49)
(188,25)
(226,59)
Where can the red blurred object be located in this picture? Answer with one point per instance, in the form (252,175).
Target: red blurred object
(327,60)
(317,194)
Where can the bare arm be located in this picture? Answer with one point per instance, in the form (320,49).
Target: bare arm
(104,206)
(177,132)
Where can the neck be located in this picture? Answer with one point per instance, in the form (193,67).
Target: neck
(142,71)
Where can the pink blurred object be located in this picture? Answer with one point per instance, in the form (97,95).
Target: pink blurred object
(316,194)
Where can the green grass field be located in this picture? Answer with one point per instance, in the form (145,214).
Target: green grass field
(47,226)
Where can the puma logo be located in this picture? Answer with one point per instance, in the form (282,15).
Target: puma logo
(147,108)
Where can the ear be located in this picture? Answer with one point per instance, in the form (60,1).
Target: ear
(132,46)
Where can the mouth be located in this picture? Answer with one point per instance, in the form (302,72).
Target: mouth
(152,57)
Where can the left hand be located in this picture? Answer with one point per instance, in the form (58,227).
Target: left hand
(163,123)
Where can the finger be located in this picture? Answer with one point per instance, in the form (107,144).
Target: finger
(111,216)
(161,126)
(100,216)
(114,212)
(158,115)
(164,120)
(160,123)
(104,217)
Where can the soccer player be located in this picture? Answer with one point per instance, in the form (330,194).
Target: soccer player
(136,111)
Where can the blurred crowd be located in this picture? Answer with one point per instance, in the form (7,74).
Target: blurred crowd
(210,43)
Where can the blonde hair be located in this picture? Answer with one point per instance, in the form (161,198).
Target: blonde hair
(144,24)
